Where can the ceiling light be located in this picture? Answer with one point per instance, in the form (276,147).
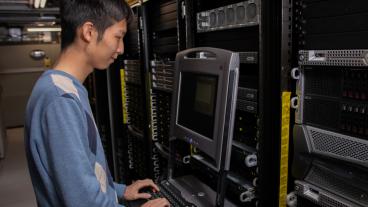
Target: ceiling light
(43,29)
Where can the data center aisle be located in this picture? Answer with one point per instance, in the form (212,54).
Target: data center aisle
(15,184)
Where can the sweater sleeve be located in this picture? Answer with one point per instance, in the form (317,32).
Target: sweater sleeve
(70,169)
(120,189)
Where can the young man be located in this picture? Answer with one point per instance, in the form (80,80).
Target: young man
(65,156)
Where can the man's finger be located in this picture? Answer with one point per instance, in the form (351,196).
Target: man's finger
(163,203)
(152,184)
(143,195)
(159,202)
(148,182)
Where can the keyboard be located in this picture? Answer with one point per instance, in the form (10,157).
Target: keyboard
(168,191)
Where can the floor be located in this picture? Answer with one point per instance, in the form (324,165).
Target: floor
(15,184)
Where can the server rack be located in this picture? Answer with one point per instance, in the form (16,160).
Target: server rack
(152,43)
(167,37)
(330,123)
(134,148)
(225,25)
(252,28)
(115,119)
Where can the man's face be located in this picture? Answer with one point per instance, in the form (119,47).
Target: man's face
(103,52)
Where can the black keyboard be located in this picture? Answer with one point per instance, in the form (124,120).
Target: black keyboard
(168,191)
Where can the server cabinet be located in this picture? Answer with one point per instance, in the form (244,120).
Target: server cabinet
(166,33)
(259,31)
(134,147)
(329,134)
(254,29)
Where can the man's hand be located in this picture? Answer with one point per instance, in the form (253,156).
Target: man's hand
(159,202)
(132,191)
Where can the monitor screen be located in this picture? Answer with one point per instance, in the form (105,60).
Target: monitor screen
(197,103)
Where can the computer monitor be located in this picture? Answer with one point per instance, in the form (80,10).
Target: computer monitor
(204,102)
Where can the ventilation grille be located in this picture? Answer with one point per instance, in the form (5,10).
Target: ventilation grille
(248,57)
(333,183)
(323,198)
(154,118)
(247,94)
(321,111)
(330,202)
(347,148)
(355,58)
(322,81)
(134,100)
(247,106)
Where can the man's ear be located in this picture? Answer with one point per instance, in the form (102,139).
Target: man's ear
(88,31)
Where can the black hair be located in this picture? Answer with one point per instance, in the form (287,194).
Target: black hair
(102,13)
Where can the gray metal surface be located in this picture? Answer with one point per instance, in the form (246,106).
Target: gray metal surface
(17,56)
(353,58)
(225,65)
(248,57)
(196,192)
(237,15)
(321,197)
(300,94)
(347,186)
(338,146)
(18,73)
(247,106)
(163,75)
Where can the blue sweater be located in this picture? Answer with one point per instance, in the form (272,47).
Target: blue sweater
(64,151)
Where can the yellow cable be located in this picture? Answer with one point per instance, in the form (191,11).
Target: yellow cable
(284,150)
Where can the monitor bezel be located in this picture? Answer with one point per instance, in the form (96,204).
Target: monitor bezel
(220,65)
